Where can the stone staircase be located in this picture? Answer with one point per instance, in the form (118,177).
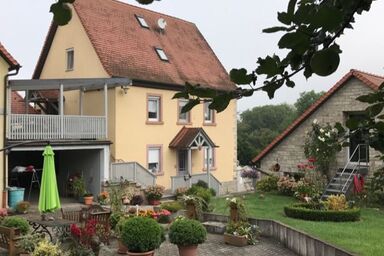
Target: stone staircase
(215,227)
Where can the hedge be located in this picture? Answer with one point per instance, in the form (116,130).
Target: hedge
(301,211)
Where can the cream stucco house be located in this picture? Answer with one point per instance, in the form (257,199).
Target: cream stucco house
(149,138)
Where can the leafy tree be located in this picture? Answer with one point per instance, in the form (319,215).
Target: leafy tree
(310,29)
(259,126)
(306,99)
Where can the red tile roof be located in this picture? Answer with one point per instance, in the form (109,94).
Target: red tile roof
(370,80)
(126,49)
(8,58)
(185,137)
(18,105)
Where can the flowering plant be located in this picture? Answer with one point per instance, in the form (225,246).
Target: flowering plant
(252,174)
(251,232)
(163,216)
(286,185)
(103,198)
(322,143)
(154,192)
(89,235)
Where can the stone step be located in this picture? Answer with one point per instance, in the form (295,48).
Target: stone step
(338,191)
(214,227)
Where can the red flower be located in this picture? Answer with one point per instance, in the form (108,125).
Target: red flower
(311,159)
(75,230)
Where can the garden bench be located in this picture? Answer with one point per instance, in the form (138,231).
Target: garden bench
(8,238)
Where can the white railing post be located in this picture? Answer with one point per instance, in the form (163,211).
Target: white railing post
(135,172)
(106,109)
(61,108)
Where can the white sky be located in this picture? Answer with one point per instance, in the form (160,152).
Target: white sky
(232,28)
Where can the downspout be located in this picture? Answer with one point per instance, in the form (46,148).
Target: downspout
(17,68)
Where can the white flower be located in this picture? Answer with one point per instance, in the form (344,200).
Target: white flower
(315,121)
(321,138)
(322,130)
(317,149)
(334,130)
(328,134)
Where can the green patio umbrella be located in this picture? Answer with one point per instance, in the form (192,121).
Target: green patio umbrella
(49,199)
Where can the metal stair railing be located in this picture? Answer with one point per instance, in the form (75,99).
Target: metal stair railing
(132,171)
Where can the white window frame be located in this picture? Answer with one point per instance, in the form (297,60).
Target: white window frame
(181,103)
(70,63)
(142,22)
(208,113)
(161,53)
(158,163)
(158,108)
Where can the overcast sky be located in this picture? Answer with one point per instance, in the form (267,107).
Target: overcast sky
(232,28)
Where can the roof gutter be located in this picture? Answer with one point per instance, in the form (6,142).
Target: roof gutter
(6,77)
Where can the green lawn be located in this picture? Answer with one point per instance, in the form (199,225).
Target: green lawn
(365,237)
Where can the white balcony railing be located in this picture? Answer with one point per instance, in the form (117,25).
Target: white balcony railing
(55,127)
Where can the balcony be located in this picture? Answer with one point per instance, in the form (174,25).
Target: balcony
(56,127)
(59,126)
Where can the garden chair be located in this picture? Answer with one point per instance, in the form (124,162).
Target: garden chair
(8,240)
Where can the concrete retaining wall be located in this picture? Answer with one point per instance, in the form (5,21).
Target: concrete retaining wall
(295,240)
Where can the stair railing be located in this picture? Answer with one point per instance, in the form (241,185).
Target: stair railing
(354,169)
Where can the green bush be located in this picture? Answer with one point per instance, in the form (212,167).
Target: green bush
(186,232)
(115,218)
(315,213)
(201,192)
(267,184)
(171,206)
(141,234)
(201,183)
(16,222)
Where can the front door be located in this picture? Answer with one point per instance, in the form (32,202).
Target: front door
(183,162)
(358,138)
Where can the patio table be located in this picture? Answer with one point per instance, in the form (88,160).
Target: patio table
(58,226)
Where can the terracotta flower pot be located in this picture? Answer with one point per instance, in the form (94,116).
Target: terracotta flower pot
(190,250)
(154,202)
(235,240)
(88,200)
(150,253)
(123,249)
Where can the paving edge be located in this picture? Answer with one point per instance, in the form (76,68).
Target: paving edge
(297,241)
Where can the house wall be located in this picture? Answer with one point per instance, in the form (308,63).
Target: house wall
(86,65)
(131,110)
(290,151)
(3,72)
(127,112)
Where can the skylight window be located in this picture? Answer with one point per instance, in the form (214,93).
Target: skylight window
(160,52)
(142,21)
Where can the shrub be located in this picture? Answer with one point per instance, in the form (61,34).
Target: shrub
(203,193)
(267,184)
(186,232)
(171,206)
(29,242)
(286,186)
(201,183)
(307,212)
(16,222)
(336,203)
(46,248)
(141,234)
(375,188)
(115,218)
(137,200)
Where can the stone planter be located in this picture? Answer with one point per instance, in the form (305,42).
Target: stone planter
(190,250)
(239,241)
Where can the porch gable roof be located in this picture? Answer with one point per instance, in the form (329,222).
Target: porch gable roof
(187,136)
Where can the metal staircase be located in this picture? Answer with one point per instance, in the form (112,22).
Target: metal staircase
(341,182)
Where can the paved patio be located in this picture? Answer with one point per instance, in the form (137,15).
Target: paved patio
(216,246)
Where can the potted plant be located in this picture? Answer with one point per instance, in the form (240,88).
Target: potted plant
(154,194)
(187,234)
(236,209)
(103,198)
(45,247)
(141,235)
(88,198)
(18,223)
(193,205)
(22,207)
(241,233)
(78,187)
